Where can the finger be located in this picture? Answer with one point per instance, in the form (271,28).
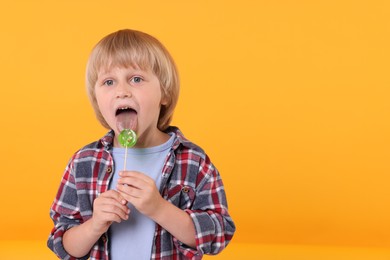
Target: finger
(105,203)
(113,217)
(134,174)
(118,216)
(122,211)
(113,194)
(131,191)
(130,181)
(139,181)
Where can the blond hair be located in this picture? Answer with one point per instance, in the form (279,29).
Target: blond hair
(126,48)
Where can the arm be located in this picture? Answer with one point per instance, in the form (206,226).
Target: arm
(209,221)
(214,226)
(208,208)
(64,212)
(108,207)
(175,221)
(141,191)
(79,240)
(71,225)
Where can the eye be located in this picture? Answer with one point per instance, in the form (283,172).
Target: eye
(108,82)
(136,79)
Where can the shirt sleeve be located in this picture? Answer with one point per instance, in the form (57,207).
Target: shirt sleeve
(209,212)
(65,214)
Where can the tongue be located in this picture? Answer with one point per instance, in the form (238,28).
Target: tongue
(126,120)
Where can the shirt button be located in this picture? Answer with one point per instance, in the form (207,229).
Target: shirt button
(185,189)
(109,169)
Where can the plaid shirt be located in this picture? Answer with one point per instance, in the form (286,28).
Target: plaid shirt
(189,181)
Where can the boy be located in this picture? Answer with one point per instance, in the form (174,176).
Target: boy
(170,202)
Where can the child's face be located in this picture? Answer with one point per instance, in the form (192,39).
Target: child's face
(133,95)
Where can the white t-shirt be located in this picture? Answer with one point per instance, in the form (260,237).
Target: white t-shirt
(133,238)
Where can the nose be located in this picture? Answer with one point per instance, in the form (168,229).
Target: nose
(123,91)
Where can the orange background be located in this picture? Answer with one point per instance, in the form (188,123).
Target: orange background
(289,98)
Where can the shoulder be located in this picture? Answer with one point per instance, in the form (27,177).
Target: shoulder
(93,158)
(94,148)
(182,145)
(190,153)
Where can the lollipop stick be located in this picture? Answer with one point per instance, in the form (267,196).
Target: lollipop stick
(127,138)
(124,164)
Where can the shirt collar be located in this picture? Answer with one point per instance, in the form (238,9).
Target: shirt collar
(108,139)
(180,138)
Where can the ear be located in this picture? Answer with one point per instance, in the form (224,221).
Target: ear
(164,100)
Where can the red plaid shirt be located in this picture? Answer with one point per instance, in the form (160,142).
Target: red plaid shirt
(189,181)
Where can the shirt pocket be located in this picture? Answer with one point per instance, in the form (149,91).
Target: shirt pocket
(181,196)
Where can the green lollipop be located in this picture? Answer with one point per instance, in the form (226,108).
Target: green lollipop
(127,138)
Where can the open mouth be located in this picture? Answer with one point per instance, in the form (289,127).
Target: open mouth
(125,110)
(126,118)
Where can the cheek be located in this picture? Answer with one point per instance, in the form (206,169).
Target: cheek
(99,104)
(103,106)
(154,105)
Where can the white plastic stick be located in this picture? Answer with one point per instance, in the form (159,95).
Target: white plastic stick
(124,164)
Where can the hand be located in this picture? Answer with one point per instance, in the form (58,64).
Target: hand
(110,206)
(141,191)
